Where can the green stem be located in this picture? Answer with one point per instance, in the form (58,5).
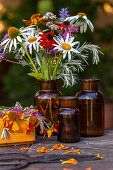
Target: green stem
(39,61)
(47,65)
(54,72)
(28,56)
(11,61)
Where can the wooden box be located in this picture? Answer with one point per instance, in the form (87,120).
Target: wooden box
(19,137)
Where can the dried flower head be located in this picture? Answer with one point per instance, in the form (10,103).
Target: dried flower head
(49,15)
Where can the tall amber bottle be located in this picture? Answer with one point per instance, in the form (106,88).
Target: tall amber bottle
(46,100)
(69,120)
(91,106)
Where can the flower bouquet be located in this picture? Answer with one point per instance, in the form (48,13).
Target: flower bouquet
(50,46)
(17,125)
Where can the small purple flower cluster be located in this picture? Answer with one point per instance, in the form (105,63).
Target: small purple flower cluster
(64,13)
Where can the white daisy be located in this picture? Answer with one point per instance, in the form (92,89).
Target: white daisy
(31,42)
(66,46)
(82,19)
(15,36)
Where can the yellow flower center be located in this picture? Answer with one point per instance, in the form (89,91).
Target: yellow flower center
(12,115)
(31,40)
(66,46)
(13,32)
(81,13)
(32,120)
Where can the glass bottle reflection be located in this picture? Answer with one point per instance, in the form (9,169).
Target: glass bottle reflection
(69,120)
(91,106)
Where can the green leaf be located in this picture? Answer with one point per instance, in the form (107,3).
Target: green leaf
(37,75)
(50,67)
(44,68)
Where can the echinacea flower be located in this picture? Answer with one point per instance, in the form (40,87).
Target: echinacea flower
(9,120)
(47,40)
(66,46)
(83,20)
(31,124)
(15,36)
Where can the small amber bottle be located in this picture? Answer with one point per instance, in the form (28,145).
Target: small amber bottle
(91,106)
(69,120)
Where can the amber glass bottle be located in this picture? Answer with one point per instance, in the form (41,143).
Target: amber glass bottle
(46,100)
(91,106)
(69,120)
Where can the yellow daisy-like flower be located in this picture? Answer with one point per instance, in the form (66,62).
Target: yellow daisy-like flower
(66,46)
(15,36)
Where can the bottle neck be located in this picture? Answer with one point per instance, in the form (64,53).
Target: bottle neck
(89,85)
(68,102)
(48,85)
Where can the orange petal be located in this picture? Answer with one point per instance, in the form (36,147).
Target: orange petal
(22,149)
(21,115)
(15,127)
(88,168)
(67,152)
(75,151)
(58,146)
(65,148)
(67,169)
(99,157)
(70,161)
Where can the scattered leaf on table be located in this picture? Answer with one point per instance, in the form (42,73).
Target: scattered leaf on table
(70,161)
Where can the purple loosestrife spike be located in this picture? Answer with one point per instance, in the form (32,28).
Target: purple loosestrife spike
(64,13)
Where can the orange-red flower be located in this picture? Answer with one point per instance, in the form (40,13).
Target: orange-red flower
(43,150)
(70,161)
(31,124)
(51,131)
(74,151)
(35,20)
(47,40)
(9,120)
(59,146)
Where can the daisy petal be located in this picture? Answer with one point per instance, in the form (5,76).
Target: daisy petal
(19,39)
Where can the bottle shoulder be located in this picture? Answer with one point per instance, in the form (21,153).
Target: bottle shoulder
(89,95)
(47,93)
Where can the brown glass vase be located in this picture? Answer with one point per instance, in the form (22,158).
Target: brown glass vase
(46,100)
(69,120)
(91,106)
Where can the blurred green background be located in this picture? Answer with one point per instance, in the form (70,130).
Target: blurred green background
(16,85)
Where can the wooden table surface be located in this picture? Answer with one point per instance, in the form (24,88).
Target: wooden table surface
(88,146)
